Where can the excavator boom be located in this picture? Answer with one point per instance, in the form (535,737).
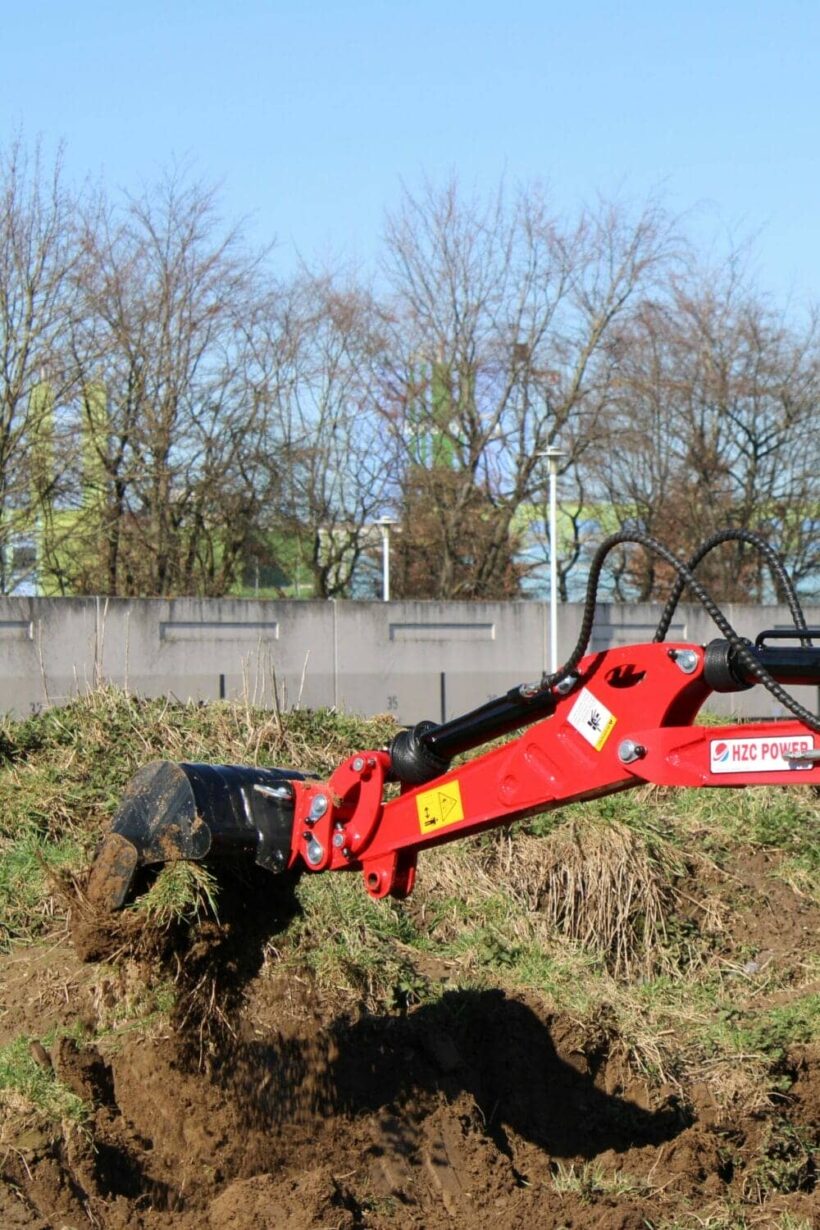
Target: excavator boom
(622,718)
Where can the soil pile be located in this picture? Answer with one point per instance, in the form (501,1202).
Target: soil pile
(479,1108)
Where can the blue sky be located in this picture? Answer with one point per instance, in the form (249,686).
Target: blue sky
(310,115)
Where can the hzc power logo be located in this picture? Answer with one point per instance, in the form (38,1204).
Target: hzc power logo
(766,755)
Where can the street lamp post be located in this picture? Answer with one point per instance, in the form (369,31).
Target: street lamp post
(384,524)
(553,455)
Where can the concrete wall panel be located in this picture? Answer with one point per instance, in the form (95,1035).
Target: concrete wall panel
(412,659)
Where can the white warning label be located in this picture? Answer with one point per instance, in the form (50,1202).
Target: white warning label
(591,719)
(760,755)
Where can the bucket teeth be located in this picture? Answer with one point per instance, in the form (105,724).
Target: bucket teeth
(112,873)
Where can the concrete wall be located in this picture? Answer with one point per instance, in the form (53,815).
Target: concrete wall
(414,659)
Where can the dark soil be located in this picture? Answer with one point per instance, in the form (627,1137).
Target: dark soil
(261,1108)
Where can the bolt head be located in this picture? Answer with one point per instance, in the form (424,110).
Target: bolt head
(630,751)
(566,685)
(338,840)
(686,660)
(318,807)
(315,853)
(358,764)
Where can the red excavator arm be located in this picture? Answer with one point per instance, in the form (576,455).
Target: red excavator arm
(626,721)
(605,722)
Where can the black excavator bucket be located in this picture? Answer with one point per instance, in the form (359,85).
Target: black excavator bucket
(194,811)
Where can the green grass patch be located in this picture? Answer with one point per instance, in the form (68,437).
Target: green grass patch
(355,947)
(181,893)
(28,1085)
(777,818)
(26,904)
(730,1217)
(591,1180)
(770,1032)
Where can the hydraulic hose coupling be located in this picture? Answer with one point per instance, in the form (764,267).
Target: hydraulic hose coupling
(720,668)
(411,761)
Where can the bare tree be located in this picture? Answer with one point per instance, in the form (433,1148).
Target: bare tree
(168,291)
(502,320)
(319,362)
(37,256)
(713,425)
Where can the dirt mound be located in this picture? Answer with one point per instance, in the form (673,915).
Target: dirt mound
(476,1110)
(452,1111)
(258,1103)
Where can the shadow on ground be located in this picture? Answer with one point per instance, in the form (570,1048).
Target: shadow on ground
(494,1048)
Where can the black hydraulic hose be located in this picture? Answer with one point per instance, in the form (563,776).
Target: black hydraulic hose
(776,565)
(743,652)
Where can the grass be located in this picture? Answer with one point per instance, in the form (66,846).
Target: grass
(30,1085)
(785,1163)
(357,949)
(730,1217)
(590,1180)
(609,887)
(784,821)
(27,861)
(770,1032)
(181,893)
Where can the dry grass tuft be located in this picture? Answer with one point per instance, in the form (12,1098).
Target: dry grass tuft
(603,885)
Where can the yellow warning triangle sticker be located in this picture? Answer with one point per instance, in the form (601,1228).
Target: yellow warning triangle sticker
(439,807)
(446,803)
